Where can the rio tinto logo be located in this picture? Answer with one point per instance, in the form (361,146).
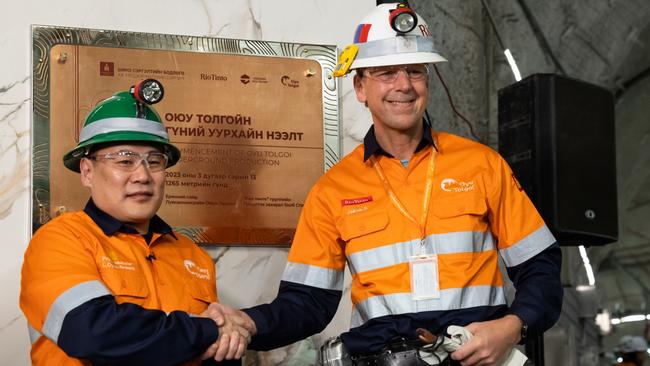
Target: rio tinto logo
(425,30)
(452,185)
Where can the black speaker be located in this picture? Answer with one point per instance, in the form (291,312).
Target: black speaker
(557,134)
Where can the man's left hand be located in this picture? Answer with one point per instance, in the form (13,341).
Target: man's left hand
(491,342)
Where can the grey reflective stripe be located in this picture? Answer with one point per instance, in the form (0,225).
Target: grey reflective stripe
(320,277)
(450,299)
(67,301)
(391,46)
(34,334)
(107,125)
(448,243)
(527,247)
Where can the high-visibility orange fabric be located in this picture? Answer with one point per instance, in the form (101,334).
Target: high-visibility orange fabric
(348,213)
(72,249)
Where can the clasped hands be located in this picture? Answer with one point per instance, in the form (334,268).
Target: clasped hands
(235,331)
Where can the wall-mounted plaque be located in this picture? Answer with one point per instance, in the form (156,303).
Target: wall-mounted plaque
(257,123)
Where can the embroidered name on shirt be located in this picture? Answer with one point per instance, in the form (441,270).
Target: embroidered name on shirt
(355,210)
(195,270)
(355,201)
(452,185)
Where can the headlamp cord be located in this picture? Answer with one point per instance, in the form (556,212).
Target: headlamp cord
(453,107)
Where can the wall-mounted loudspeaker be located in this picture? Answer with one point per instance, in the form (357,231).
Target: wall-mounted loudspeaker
(557,134)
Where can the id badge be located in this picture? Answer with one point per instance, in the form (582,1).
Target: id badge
(424,277)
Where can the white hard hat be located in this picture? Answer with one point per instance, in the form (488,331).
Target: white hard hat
(377,43)
(630,344)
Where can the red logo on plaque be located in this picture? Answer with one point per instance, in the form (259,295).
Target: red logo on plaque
(106,68)
(355,201)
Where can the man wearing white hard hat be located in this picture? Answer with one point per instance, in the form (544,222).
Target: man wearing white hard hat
(421,218)
(633,350)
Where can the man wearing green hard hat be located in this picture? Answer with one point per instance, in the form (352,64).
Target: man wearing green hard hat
(113,283)
(124,117)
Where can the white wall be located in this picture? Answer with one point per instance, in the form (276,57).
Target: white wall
(255,269)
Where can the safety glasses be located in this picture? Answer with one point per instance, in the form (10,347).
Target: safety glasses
(129,161)
(388,74)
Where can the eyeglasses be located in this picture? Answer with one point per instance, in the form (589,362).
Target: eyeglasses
(388,74)
(129,161)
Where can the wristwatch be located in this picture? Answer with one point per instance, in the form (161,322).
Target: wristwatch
(524,333)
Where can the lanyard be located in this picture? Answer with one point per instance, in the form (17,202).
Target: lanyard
(398,204)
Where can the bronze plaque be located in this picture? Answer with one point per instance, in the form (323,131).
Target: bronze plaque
(256,122)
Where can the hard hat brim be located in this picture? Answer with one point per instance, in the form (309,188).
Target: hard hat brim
(73,157)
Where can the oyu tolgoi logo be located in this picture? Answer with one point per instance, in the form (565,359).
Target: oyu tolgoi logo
(287,81)
(452,185)
(197,271)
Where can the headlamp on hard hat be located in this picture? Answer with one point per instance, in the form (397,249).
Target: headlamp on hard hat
(403,19)
(392,34)
(147,91)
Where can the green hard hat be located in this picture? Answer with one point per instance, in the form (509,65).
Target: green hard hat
(116,120)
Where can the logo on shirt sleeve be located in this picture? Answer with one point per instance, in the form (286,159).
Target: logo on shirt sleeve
(517,182)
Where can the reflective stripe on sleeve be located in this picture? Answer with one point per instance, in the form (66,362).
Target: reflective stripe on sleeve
(450,299)
(67,301)
(34,334)
(447,243)
(107,125)
(526,248)
(325,278)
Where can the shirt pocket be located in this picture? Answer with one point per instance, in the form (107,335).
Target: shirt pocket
(460,213)
(127,286)
(362,224)
(201,294)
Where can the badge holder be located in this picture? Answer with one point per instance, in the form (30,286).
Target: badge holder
(425,283)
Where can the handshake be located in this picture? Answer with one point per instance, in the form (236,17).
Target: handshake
(235,331)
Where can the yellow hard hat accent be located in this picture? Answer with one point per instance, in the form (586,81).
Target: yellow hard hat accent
(345,60)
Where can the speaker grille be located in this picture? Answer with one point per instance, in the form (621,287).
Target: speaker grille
(586,162)
(516,133)
(557,134)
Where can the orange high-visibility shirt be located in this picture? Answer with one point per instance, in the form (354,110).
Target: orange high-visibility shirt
(70,261)
(475,215)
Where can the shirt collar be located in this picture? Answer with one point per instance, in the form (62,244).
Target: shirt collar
(111,225)
(371,146)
